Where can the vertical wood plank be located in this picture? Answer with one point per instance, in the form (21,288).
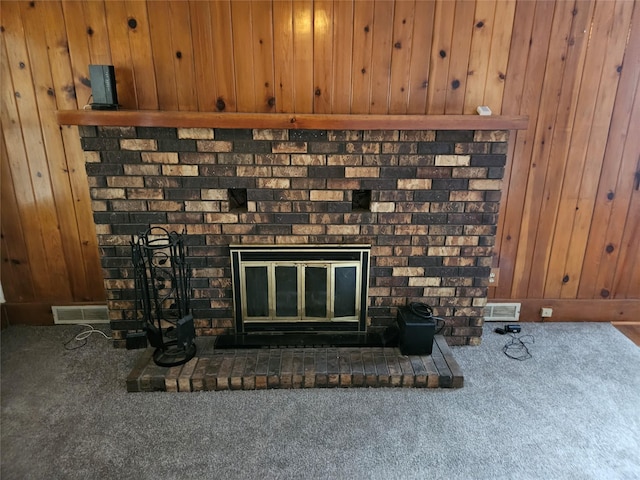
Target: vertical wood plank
(243,55)
(440,57)
(203,40)
(78,50)
(28,160)
(223,56)
(479,54)
(627,277)
(499,57)
(548,224)
(554,71)
(17,281)
(362,50)
(463,27)
(16,170)
(605,246)
(342,55)
(142,63)
(283,54)
(56,163)
(381,56)
(263,55)
(420,62)
(62,76)
(403,20)
(589,217)
(118,31)
(322,52)
(183,62)
(96,31)
(159,14)
(563,249)
(522,94)
(303,55)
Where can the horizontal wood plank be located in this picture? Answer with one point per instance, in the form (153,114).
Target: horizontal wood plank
(581,310)
(630,330)
(152,118)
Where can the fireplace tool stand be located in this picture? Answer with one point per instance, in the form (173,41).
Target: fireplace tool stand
(162,290)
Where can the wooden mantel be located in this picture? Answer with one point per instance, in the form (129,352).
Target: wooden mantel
(154,118)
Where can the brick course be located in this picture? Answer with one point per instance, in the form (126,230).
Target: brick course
(431,222)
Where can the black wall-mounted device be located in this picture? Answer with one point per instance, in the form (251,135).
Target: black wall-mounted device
(103,87)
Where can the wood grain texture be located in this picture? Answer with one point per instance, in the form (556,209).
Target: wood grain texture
(421,56)
(37,179)
(15,256)
(499,57)
(604,246)
(362,51)
(463,27)
(302,55)
(444,18)
(283,55)
(263,56)
(203,41)
(479,55)
(118,31)
(630,330)
(403,20)
(142,63)
(554,76)
(223,57)
(342,55)
(522,95)
(322,56)
(151,118)
(163,55)
(183,56)
(381,56)
(569,211)
(579,310)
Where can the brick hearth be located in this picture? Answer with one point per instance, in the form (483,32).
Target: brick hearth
(257,369)
(431,218)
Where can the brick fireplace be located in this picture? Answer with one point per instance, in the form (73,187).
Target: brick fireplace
(426,201)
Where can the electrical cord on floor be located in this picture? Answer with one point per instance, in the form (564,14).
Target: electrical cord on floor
(517,349)
(82,336)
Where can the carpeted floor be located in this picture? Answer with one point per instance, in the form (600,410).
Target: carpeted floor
(572,411)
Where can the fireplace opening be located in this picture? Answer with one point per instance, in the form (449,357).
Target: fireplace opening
(300,288)
(237,199)
(361,200)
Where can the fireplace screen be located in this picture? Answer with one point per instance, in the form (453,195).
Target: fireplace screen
(310,288)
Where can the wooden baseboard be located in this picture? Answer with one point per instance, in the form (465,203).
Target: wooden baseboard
(564,310)
(28,314)
(38,314)
(581,310)
(4,319)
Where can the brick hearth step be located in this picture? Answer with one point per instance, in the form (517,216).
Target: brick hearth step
(266,368)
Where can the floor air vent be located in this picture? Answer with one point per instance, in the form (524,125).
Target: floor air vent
(502,312)
(80,314)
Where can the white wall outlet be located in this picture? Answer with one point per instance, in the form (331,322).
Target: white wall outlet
(546,312)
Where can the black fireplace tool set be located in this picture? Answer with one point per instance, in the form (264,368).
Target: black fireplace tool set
(162,296)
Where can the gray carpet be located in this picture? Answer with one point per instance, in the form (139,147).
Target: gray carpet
(570,412)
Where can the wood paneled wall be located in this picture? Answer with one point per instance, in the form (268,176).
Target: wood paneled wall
(571,212)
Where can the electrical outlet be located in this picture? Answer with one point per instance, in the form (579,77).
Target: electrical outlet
(546,312)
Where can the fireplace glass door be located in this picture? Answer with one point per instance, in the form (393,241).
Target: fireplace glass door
(300,291)
(300,288)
